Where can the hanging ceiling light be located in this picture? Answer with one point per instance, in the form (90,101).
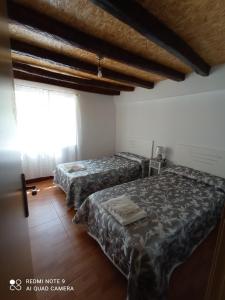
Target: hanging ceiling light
(99,67)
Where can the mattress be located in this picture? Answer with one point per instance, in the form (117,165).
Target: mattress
(97,175)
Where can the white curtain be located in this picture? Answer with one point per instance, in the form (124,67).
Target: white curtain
(47,128)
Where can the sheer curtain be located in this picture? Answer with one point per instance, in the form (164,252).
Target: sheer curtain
(47,128)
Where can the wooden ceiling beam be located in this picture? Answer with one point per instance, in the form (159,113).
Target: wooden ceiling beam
(134,15)
(25,49)
(79,87)
(113,75)
(66,78)
(57,30)
(53,57)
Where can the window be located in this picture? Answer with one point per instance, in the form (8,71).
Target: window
(47,128)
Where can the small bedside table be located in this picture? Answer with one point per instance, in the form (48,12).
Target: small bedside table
(156,165)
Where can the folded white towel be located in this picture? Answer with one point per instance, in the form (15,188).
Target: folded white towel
(75,168)
(124,210)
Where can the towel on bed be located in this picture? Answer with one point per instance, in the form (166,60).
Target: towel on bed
(75,168)
(124,210)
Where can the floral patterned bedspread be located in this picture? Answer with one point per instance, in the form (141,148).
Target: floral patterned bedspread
(98,174)
(182,205)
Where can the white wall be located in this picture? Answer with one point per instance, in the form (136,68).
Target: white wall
(190,112)
(97,130)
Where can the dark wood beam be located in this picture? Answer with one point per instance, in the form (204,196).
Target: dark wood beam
(86,82)
(107,73)
(36,78)
(78,65)
(72,36)
(53,57)
(134,15)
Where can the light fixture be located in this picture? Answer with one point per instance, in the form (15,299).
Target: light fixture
(99,67)
(160,152)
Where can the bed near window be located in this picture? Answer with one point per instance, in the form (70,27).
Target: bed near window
(82,178)
(182,205)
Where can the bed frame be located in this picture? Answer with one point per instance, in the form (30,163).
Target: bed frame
(190,280)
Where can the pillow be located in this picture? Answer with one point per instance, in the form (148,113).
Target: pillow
(199,176)
(138,158)
(132,156)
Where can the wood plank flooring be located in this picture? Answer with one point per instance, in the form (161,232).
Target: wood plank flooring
(61,249)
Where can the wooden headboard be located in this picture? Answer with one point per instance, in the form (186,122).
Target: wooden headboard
(201,158)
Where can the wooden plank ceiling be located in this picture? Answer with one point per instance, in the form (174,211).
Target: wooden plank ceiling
(139,42)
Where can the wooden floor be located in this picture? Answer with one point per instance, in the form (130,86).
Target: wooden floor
(61,249)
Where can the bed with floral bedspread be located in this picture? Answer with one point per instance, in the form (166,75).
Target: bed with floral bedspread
(98,174)
(183,206)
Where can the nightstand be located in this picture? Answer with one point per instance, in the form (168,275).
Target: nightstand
(156,165)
